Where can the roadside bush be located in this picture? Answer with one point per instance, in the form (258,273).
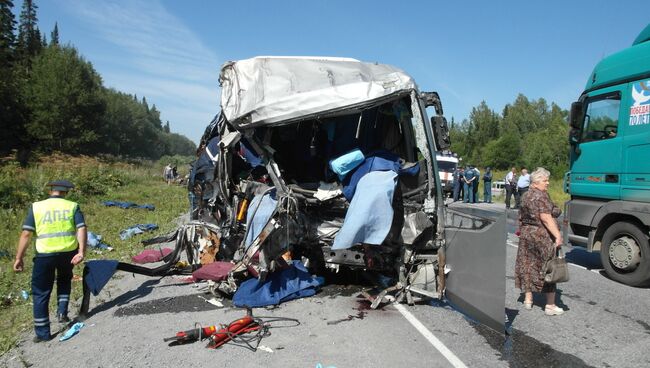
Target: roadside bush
(17,189)
(99,180)
(176,160)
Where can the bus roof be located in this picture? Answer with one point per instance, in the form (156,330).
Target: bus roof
(272,90)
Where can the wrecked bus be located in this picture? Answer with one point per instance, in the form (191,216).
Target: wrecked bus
(331,162)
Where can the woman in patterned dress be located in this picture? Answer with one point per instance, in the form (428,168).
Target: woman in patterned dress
(538,241)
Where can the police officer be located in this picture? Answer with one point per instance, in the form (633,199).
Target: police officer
(477,176)
(487,185)
(469,177)
(60,245)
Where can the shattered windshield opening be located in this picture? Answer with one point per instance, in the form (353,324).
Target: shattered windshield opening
(303,150)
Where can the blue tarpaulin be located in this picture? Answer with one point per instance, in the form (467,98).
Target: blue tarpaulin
(291,283)
(126,205)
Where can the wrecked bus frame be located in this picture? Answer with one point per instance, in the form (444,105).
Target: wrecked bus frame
(280,175)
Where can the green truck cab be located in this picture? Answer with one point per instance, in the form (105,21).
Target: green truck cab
(609,177)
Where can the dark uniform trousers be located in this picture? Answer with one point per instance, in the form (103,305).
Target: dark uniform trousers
(43,276)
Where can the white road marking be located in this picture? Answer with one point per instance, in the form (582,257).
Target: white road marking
(594,270)
(451,357)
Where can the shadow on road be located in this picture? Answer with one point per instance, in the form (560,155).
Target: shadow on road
(125,298)
(581,257)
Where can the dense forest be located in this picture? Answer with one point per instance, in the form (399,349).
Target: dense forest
(51,99)
(527,133)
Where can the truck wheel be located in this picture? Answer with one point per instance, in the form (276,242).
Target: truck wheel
(626,254)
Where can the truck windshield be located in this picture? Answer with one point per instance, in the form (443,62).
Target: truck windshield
(601,119)
(446,166)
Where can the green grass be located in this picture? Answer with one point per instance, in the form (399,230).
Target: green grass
(96,182)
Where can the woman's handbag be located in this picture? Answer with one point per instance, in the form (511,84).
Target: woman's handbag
(557,270)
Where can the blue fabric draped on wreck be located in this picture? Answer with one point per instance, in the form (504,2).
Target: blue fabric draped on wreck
(370,187)
(288,284)
(370,214)
(259,212)
(127,205)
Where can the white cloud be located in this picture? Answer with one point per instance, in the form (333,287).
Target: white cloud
(157,56)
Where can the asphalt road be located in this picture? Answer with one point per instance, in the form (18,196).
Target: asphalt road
(606,325)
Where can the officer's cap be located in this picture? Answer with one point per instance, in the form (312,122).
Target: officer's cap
(60,185)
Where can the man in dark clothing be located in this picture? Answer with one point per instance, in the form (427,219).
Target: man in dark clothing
(458,184)
(487,185)
(60,245)
(477,177)
(469,178)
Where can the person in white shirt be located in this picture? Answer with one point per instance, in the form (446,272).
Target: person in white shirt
(168,174)
(522,185)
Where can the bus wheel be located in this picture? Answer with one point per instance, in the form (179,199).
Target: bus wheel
(625,254)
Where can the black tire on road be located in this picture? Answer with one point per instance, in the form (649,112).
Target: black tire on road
(640,276)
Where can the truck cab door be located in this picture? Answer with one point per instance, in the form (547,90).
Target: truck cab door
(475,253)
(635,181)
(596,169)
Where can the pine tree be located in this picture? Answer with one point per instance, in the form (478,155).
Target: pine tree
(166,129)
(54,36)
(7,38)
(144,103)
(10,122)
(29,36)
(63,96)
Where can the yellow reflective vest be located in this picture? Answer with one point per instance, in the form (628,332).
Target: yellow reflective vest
(55,228)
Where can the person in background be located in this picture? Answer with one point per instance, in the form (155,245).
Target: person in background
(468,184)
(487,185)
(522,185)
(539,239)
(511,186)
(168,173)
(459,174)
(477,176)
(60,245)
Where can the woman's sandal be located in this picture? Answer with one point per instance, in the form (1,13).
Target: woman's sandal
(528,305)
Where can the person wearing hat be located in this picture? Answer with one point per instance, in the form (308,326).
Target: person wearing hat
(487,185)
(468,188)
(60,245)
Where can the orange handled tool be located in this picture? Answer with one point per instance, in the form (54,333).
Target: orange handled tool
(192,335)
(243,325)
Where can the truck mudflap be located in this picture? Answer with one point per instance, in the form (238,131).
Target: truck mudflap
(476,264)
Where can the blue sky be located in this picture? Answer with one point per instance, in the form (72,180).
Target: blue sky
(170,50)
